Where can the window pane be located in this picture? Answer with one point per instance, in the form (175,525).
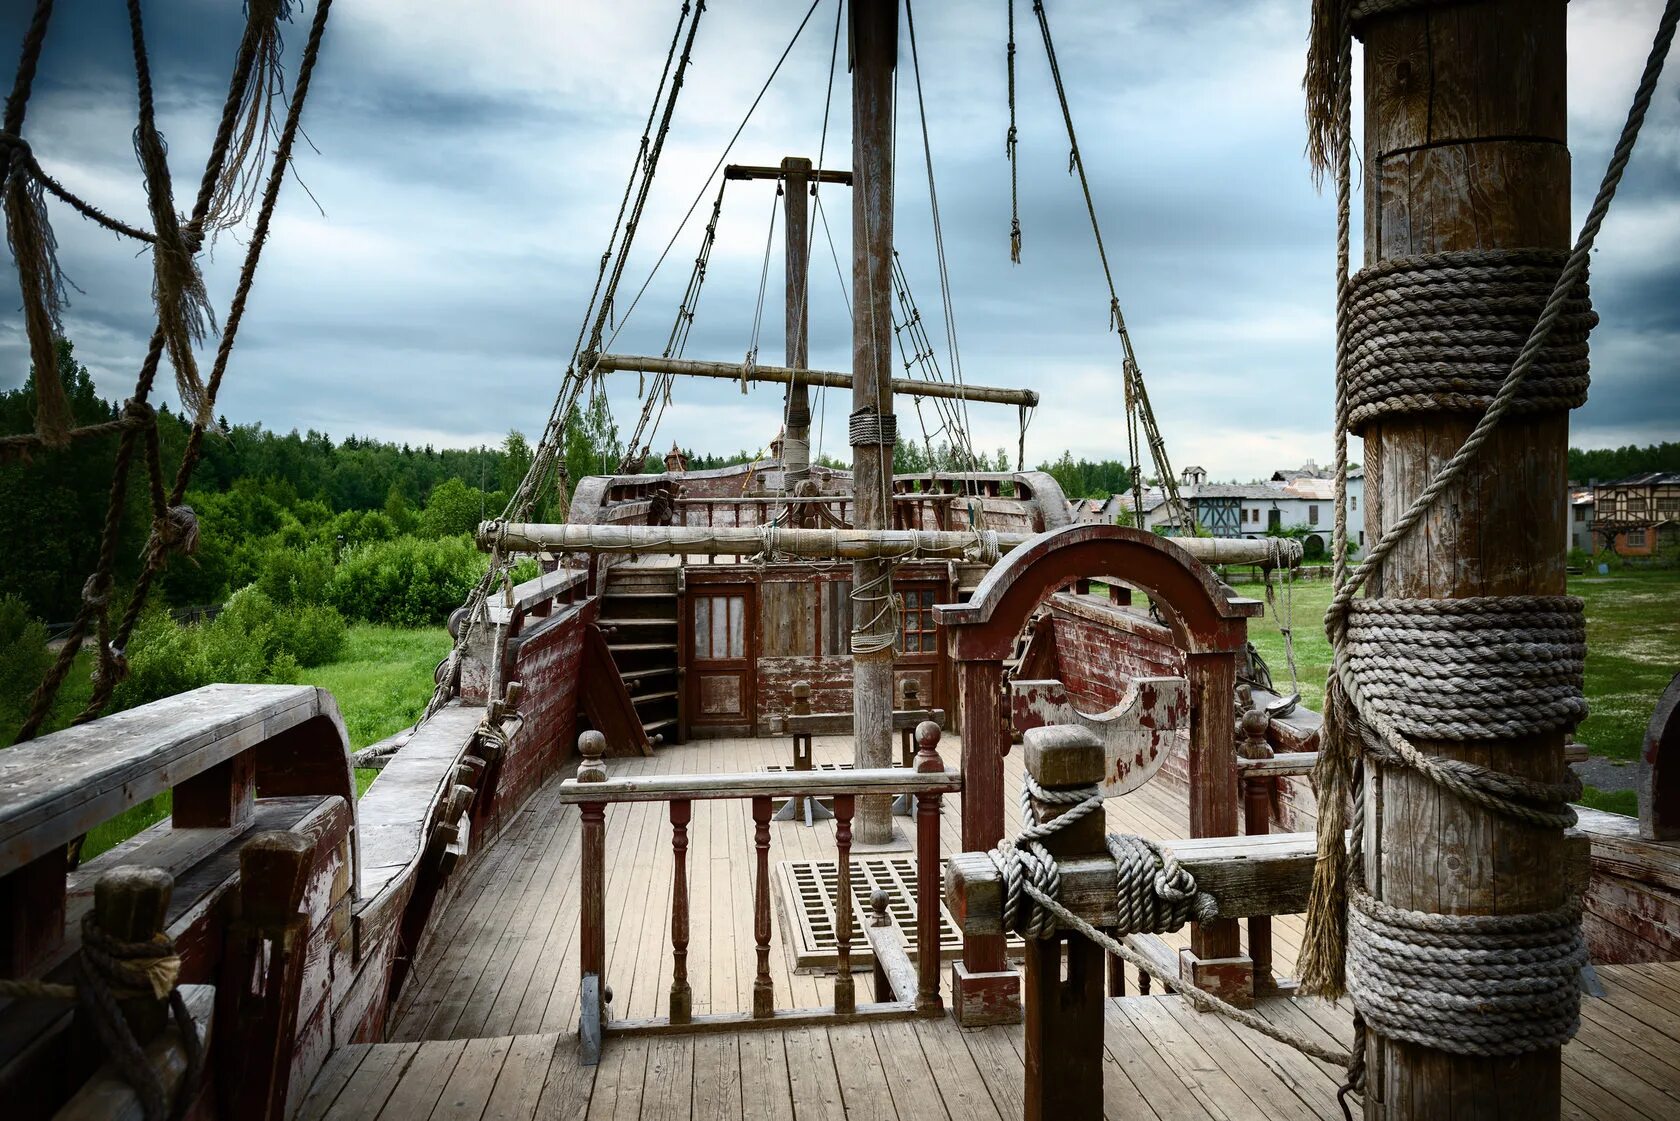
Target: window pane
(702,627)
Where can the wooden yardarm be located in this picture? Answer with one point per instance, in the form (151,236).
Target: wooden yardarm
(1465,138)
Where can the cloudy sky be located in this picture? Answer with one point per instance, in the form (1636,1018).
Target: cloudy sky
(468,159)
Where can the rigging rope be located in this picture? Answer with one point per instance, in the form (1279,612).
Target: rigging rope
(169,518)
(1138,410)
(1009,150)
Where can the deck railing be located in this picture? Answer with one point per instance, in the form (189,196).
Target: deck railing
(592,791)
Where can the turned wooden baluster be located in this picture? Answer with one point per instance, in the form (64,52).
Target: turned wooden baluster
(1257,821)
(592,902)
(682,996)
(764,993)
(845,994)
(928,876)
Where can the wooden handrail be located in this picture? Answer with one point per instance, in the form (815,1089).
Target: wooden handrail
(769,784)
(593,791)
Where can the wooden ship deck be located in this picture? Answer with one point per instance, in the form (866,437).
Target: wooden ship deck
(518,920)
(487,1029)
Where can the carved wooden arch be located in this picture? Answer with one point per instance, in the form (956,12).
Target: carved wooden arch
(1204,617)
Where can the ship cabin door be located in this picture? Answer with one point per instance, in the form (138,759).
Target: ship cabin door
(919,643)
(721,679)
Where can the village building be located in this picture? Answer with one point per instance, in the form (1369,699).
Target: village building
(1303,498)
(1637,516)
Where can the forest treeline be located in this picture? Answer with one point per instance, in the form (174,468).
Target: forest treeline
(259,494)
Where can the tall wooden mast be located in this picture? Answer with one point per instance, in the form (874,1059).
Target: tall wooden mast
(874,48)
(1466,143)
(796,439)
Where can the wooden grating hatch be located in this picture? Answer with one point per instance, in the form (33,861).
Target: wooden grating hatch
(807,891)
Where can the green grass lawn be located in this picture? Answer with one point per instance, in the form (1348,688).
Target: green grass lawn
(382,684)
(1633,650)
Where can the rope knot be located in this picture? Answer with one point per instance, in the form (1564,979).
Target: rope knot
(175,532)
(96,590)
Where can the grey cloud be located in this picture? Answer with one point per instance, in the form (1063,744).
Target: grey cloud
(467,196)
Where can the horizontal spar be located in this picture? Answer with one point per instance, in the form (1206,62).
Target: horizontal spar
(846,544)
(782,375)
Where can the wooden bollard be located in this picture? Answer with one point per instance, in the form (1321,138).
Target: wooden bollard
(130,904)
(927,761)
(911,694)
(269,941)
(1064,1008)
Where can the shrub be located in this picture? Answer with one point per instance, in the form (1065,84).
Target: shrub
(405,582)
(23,657)
(291,577)
(164,658)
(253,623)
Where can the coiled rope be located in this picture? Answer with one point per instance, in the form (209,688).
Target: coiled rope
(1153,891)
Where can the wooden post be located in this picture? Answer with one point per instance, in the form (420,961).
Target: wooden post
(874,40)
(984,990)
(845,992)
(130,904)
(1466,148)
(1064,1029)
(927,872)
(682,997)
(796,438)
(907,739)
(1257,822)
(592,902)
(1215,960)
(879,918)
(802,745)
(764,992)
(268,943)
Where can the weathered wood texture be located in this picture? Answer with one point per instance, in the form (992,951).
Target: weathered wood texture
(1633,895)
(56,788)
(1160,1061)
(1465,148)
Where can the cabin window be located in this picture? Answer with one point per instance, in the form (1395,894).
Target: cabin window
(1274,518)
(1636,539)
(1312,514)
(720,627)
(1353,502)
(1580,513)
(916,628)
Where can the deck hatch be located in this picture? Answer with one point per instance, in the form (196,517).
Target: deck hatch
(808,889)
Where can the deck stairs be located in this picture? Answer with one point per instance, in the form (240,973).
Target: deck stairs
(639,618)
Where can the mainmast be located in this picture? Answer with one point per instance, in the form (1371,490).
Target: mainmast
(874,52)
(796,439)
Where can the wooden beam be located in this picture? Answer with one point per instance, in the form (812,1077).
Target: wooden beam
(1263,875)
(759,171)
(783,375)
(886,781)
(844,544)
(796,417)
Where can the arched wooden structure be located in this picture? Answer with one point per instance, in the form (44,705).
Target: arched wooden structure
(1659,770)
(1210,625)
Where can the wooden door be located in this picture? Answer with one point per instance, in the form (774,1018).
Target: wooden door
(721,678)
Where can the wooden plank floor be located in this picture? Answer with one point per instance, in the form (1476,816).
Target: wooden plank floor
(502,958)
(1164,1063)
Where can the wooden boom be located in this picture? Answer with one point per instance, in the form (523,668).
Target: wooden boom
(849,544)
(781,375)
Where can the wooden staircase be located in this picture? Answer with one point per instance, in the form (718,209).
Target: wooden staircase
(639,618)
